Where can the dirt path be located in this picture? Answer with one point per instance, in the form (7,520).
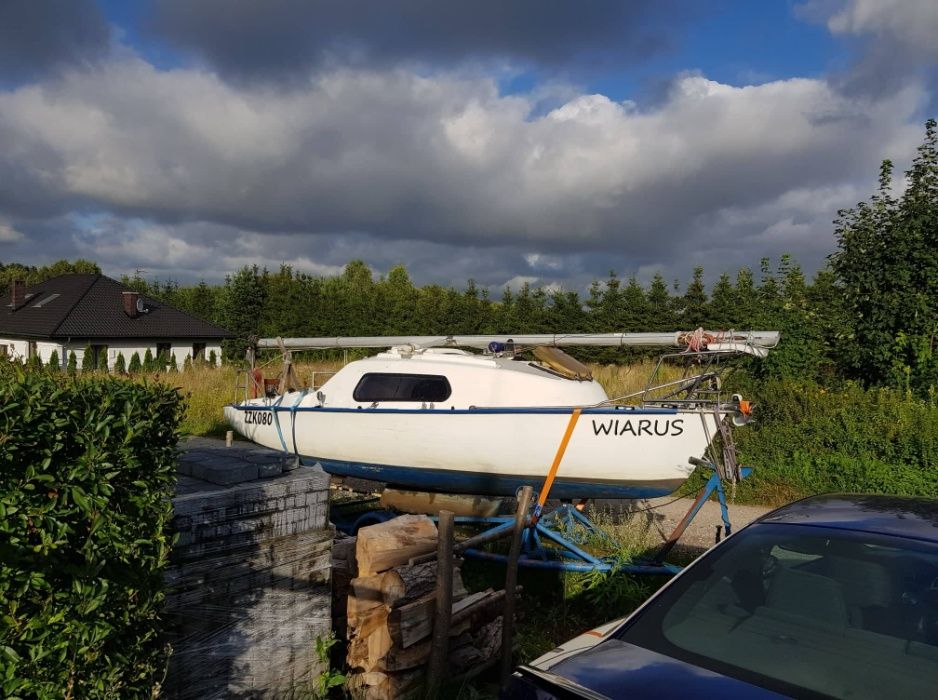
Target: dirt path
(655,518)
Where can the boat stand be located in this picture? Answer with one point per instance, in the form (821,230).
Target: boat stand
(560,539)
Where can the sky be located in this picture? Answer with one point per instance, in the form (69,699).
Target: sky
(541,141)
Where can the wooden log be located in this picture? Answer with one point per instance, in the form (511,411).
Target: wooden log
(410,623)
(443,612)
(432,503)
(393,543)
(365,596)
(476,616)
(511,575)
(405,584)
(375,685)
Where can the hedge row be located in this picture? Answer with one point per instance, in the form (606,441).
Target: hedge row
(87,466)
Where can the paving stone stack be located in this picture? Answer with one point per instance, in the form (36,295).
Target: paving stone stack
(249,582)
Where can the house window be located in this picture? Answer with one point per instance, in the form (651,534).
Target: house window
(198,351)
(164,350)
(31,349)
(4,351)
(377,386)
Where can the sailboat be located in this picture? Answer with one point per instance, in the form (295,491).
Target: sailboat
(432,413)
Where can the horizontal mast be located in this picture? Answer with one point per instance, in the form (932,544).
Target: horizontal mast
(739,341)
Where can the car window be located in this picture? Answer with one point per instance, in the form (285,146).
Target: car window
(805,611)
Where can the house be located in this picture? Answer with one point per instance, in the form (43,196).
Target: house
(70,313)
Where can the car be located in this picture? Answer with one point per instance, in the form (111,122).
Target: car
(832,596)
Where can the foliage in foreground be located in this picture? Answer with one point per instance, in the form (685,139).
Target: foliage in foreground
(86,468)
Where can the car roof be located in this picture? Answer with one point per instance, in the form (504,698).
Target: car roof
(902,516)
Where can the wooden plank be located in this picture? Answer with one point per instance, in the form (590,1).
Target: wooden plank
(411,623)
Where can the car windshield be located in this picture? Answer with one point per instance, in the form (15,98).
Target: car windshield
(804,611)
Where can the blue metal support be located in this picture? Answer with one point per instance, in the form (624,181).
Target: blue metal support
(568,529)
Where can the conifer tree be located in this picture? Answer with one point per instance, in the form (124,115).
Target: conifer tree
(102,360)
(134,367)
(120,365)
(87,359)
(54,362)
(148,364)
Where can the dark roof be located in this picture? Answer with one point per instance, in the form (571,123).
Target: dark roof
(903,516)
(92,306)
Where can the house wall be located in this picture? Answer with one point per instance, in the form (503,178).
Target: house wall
(180,350)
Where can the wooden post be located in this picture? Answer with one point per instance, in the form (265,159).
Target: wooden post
(229,437)
(511,580)
(439,652)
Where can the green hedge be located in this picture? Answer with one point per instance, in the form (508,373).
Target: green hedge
(812,439)
(87,466)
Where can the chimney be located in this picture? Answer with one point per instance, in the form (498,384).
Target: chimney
(130,303)
(17,294)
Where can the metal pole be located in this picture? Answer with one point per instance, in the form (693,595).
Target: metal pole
(443,616)
(511,580)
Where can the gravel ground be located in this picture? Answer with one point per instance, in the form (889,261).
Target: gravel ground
(655,519)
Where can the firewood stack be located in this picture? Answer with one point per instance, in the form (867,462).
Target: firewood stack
(391,604)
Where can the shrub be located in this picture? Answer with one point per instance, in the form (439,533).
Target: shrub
(102,360)
(54,361)
(212,359)
(72,366)
(120,366)
(87,360)
(87,466)
(811,439)
(148,364)
(134,366)
(34,362)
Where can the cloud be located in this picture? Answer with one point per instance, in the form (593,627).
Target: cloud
(8,234)
(284,39)
(37,36)
(395,166)
(895,41)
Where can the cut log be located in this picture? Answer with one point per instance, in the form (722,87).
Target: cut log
(479,615)
(405,584)
(393,543)
(413,622)
(384,686)
(365,595)
(366,651)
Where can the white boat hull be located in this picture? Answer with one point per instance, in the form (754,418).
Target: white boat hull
(612,453)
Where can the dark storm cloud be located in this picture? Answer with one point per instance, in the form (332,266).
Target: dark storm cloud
(39,35)
(284,38)
(893,42)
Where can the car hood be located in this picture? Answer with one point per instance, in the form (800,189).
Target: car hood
(616,669)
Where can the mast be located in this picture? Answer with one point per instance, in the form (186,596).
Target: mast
(756,343)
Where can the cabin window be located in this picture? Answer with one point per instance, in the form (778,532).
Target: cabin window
(198,351)
(402,387)
(31,349)
(163,349)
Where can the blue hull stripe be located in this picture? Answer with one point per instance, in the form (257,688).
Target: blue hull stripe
(463,411)
(446,481)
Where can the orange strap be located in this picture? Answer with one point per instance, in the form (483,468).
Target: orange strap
(545,490)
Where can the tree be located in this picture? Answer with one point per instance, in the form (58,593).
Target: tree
(242,309)
(148,363)
(54,361)
(887,266)
(102,360)
(72,367)
(87,359)
(212,359)
(134,367)
(120,365)
(694,309)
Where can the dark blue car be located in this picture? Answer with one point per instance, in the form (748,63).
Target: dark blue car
(832,596)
